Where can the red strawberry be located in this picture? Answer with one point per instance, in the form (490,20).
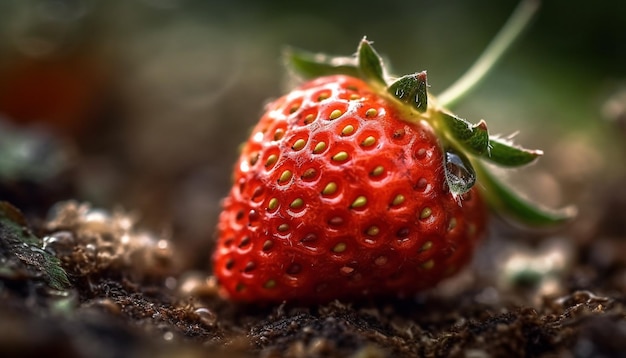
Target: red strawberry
(349,187)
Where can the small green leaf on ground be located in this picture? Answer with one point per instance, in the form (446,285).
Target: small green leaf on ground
(21,253)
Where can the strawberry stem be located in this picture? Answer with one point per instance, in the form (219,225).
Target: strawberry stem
(511,30)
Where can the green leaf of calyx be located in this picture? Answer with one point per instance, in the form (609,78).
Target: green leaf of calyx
(370,63)
(504,153)
(312,65)
(506,202)
(412,90)
(474,138)
(459,173)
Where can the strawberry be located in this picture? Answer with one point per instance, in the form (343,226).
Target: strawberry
(355,184)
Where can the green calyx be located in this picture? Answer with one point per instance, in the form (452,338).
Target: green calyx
(411,90)
(466,145)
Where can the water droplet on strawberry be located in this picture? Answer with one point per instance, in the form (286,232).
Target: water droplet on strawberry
(459,173)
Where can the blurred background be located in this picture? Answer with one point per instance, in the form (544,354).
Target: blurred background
(141,104)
